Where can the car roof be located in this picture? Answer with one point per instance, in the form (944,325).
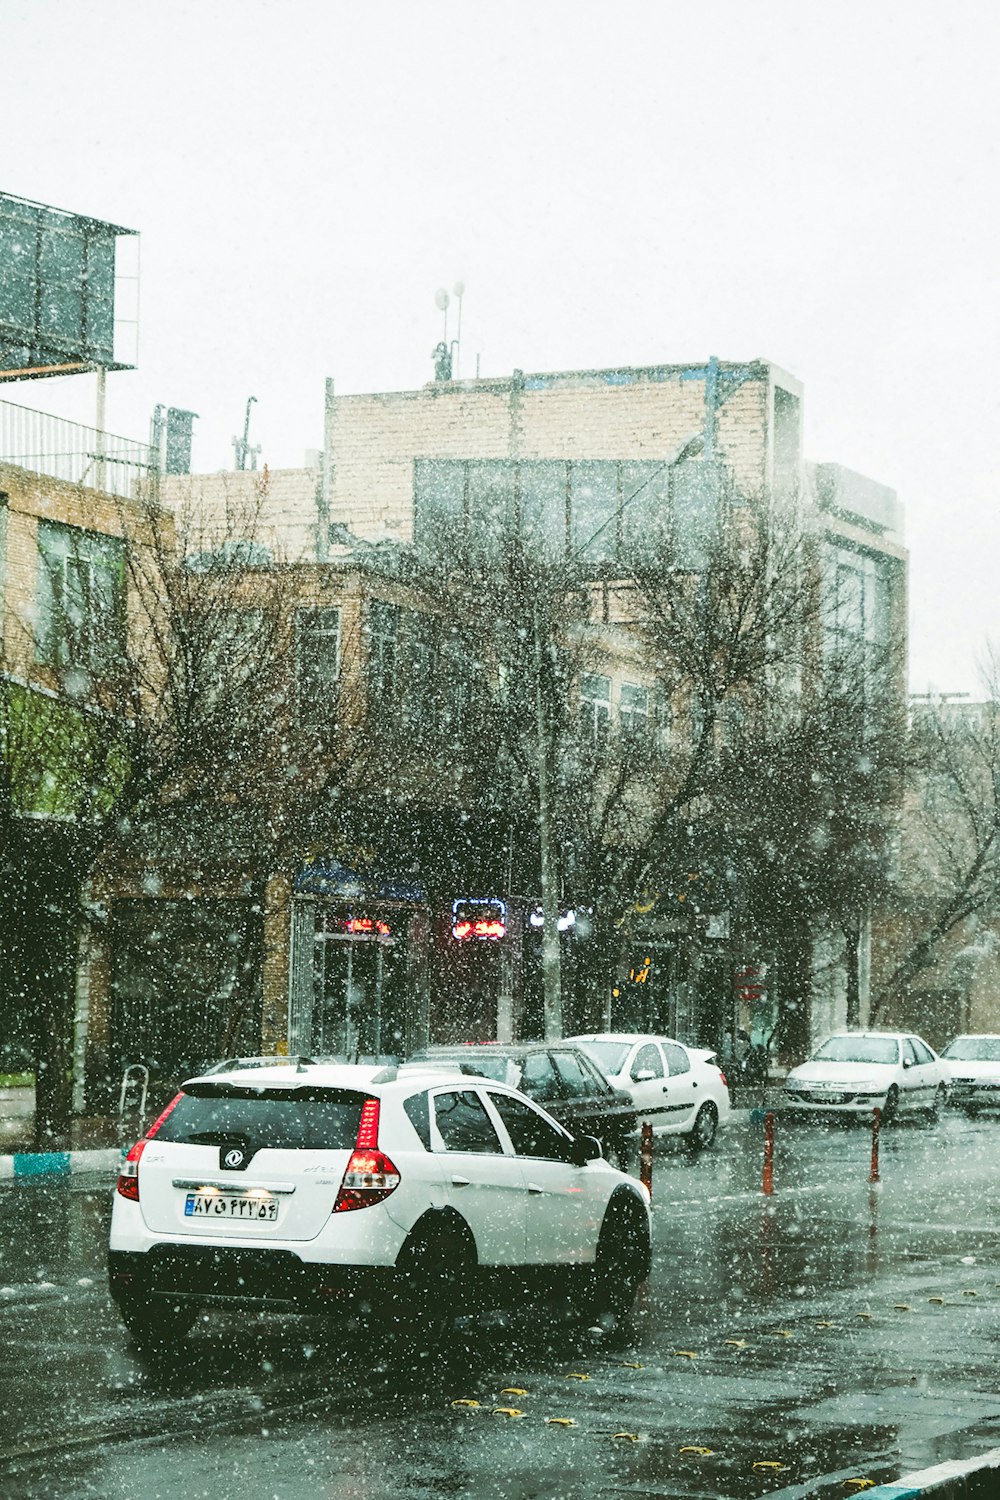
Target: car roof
(624,1036)
(494,1049)
(373,1078)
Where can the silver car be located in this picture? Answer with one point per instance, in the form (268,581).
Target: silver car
(853,1072)
(974,1061)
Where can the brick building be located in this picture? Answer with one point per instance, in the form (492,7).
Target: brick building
(589,464)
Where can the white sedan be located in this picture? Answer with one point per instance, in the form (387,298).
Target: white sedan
(678,1090)
(975,1072)
(853,1072)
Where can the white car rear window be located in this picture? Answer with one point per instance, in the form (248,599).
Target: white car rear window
(309,1118)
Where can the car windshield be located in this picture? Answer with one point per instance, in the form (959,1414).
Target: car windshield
(974,1049)
(307,1118)
(859,1049)
(609,1056)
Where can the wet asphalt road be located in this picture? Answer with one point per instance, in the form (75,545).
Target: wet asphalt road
(834,1331)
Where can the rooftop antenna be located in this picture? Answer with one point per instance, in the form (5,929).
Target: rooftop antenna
(246,457)
(446,354)
(442,352)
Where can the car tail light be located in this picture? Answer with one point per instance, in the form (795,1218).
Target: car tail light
(722,1075)
(369,1176)
(128,1178)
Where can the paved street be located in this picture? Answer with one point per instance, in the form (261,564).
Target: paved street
(834,1331)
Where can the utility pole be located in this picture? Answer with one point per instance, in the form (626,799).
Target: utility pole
(551,958)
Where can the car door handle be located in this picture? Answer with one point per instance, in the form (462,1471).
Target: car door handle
(534,1187)
(460,1182)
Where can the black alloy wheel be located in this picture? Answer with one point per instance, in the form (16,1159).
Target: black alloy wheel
(702,1132)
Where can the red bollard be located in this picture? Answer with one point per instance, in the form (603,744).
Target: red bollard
(876,1127)
(767,1186)
(646,1158)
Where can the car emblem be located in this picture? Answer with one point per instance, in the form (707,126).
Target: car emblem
(234,1158)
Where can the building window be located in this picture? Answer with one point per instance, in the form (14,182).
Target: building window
(663,716)
(81,576)
(317,665)
(419,683)
(455,681)
(595,707)
(383,636)
(633,711)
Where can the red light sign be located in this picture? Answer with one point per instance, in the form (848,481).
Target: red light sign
(483,918)
(372,926)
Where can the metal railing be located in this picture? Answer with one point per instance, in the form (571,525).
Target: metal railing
(66,450)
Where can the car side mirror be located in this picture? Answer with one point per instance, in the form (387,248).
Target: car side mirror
(907,1062)
(644,1075)
(584,1148)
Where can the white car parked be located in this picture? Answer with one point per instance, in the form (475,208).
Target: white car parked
(317,1187)
(852,1072)
(974,1061)
(678,1090)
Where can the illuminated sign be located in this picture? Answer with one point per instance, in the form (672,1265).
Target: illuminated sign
(478,917)
(564,920)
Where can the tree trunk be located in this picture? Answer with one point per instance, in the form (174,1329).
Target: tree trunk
(852,961)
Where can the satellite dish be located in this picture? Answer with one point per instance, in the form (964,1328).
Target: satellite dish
(442,299)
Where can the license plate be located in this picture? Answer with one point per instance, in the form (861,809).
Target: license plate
(224,1206)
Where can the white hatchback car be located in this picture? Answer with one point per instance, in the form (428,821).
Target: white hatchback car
(315,1188)
(853,1072)
(678,1090)
(974,1061)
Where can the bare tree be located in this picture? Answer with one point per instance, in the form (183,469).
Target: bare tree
(172,700)
(950,844)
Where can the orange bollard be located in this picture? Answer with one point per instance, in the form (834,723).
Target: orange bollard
(767,1186)
(646,1158)
(876,1127)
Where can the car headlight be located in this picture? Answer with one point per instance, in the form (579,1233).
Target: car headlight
(868,1086)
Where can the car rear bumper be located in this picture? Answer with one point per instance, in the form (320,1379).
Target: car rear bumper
(265,1278)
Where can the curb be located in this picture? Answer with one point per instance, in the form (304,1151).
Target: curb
(945,1481)
(58,1163)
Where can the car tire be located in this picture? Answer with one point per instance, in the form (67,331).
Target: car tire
(890,1108)
(702,1132)
(155,1325)
(621,1262)
(434,1283)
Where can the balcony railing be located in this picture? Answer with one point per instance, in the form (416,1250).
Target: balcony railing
(67,450)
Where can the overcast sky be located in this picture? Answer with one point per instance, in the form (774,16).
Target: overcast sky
(615,184)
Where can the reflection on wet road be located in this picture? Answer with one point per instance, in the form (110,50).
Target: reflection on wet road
(836,1329)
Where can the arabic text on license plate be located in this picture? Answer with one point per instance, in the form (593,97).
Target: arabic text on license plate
(221,1206)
